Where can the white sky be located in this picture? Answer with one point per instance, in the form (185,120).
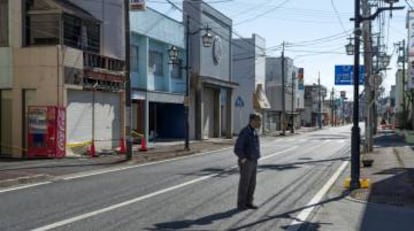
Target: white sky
(295,21)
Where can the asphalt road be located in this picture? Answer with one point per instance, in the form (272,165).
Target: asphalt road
(193,193)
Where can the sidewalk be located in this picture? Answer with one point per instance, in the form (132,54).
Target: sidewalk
(387,205)
(16,171)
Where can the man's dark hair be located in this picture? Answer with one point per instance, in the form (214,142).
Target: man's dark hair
(253,117)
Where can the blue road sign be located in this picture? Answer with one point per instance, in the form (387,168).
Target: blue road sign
(239,102)
(344,75)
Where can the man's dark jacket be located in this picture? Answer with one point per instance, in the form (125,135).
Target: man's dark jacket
(247,144)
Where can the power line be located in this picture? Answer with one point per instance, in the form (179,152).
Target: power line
(250,9)
(319,40)
(337,14)
(223,36)
(262,14)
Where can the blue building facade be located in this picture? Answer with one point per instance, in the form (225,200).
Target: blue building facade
(158,87)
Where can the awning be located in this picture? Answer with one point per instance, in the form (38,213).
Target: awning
(260,100)
(217,82)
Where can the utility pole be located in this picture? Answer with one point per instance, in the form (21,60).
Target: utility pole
(319,101)
(127,83)
(366,27)
(374,97)
(187,85)
(292,130)
(332,106)
(403,79)
(283,90)
(355,139)
(402,58)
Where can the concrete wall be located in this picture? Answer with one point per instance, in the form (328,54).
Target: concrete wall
(6,76)
(15,41)
(15,19)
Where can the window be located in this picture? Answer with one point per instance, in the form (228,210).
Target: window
(72,31)
(134,58)
(80,34)
(155,63)
(4,23)
(93,37)
(44,29)
(176,70)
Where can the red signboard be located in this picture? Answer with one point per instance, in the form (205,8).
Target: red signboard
(137,5)
(300,79)
(46,132)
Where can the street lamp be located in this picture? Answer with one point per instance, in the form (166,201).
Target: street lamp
(349,47)
(385,60)
(207,40)
(173,54)
(355,140)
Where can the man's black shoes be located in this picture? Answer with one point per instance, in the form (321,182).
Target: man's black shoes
(252,206)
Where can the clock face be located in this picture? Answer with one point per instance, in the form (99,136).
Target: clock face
(217,50)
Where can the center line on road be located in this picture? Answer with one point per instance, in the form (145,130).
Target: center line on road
(141,198)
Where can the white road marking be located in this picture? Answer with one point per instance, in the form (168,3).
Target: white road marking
(303,215)
(23,187)
(141,198)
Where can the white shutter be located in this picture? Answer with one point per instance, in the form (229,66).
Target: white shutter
(106,117)
(79,116)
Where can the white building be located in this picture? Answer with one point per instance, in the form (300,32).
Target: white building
(293,95)
(249,72)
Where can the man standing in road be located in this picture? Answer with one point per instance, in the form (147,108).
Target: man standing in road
(247,148)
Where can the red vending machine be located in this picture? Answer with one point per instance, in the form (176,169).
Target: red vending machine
(46,132)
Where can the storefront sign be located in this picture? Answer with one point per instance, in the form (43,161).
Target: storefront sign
(137,5)
(301,84)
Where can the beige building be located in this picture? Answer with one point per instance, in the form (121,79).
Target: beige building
(52,54)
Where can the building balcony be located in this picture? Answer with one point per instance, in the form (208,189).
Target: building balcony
(98,72)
